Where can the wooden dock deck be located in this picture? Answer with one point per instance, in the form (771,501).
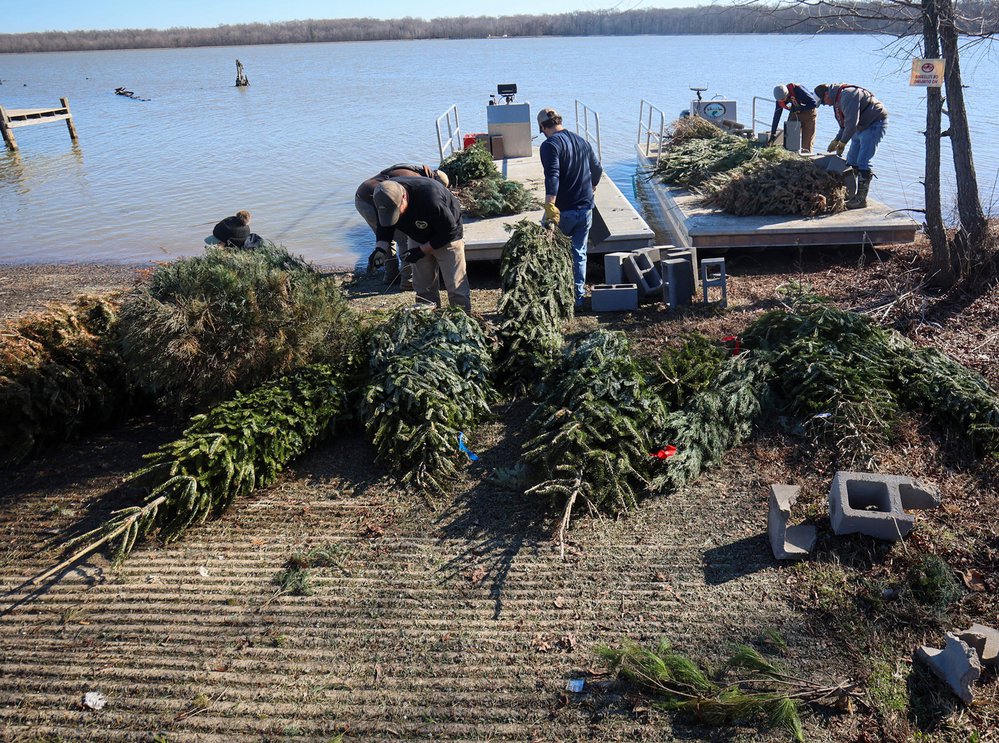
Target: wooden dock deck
(617,225)
(693,225)
(11,118)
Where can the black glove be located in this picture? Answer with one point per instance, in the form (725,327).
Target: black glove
(413,255)
(377,258)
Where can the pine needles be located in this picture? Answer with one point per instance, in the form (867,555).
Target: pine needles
(481,189)
(237,446)
(537,300)
(229,320)
(776,182)
(750,688)
(60,374)
(713,421)
(429,383)
(591,442)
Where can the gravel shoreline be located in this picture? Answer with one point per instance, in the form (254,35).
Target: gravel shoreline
(31,287)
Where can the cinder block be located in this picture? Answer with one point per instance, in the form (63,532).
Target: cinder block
(713,275)
(957,665)
(985,641)
(678,281)
(614,297)
(638,269)
(653,253)
(614,267)
(787,542)
(872,504)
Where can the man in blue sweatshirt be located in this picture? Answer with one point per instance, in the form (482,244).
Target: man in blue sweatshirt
(572,171)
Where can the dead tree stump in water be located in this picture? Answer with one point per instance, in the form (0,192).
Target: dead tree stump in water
(241,80)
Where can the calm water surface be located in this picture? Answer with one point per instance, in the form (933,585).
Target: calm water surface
(149,179)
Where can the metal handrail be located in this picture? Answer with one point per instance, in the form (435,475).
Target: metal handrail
(593,140)
(646,127)
(446,146)
(766,123)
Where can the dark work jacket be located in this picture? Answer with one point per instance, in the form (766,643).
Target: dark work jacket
(367,189)
(433,215)
(799,99)
(232,232)
(571,170)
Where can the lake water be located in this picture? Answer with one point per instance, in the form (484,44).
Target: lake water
(149,179)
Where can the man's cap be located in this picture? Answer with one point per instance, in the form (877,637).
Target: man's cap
(545,115)
(388,199)
(821,90)
(780,92)
(441,177)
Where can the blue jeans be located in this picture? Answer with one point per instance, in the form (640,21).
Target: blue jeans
(864,144)
(575,224)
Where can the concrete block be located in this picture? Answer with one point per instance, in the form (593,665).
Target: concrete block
(872,504)
(713,275)
(614,297)
(678,281)
(653,253)
(787,542)
(639,270)
(614,267)
(956,665)
(985,641)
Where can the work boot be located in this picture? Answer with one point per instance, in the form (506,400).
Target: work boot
(407,277)
(859,201)
(391,270)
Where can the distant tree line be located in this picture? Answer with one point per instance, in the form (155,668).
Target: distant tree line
(982,16)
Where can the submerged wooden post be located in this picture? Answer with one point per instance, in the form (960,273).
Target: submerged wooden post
(69,119)
(6,131)
(241,80)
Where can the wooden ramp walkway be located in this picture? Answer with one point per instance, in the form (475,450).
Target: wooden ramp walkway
(11,118)
(617,225)
(693,225)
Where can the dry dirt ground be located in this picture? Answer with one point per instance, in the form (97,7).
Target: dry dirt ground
(458,620)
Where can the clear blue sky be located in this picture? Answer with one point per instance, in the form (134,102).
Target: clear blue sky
(72,15)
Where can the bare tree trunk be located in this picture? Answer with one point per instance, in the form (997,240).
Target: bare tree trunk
(969,204)
(942,259)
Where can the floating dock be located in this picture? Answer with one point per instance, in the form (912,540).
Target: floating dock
(695,226)
(617,225)
(11,118)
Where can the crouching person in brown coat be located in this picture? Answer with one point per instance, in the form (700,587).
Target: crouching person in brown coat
(430,216)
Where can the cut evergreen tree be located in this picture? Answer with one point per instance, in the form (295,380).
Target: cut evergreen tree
(239,445)
(537,301)
(713,421)
(230,320)
(61,375)
(429,384)
(470,164)
(688,369)
(776,182)
(591,439)
(750,689)
(496,197)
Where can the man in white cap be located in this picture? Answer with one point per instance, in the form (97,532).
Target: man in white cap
(803,105)
(386,254)
(572,171)
(426,212)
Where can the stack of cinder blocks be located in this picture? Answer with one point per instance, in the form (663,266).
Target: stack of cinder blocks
(654,272)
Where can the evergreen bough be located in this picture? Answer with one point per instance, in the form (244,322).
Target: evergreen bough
(749,689)
(230,320)
(61,375)
(713,421)
(537,301)
(429,383)
(496,197)
(226,453)
(470,164)
(591,439)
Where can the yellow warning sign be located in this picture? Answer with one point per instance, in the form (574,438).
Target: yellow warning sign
(927,72)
